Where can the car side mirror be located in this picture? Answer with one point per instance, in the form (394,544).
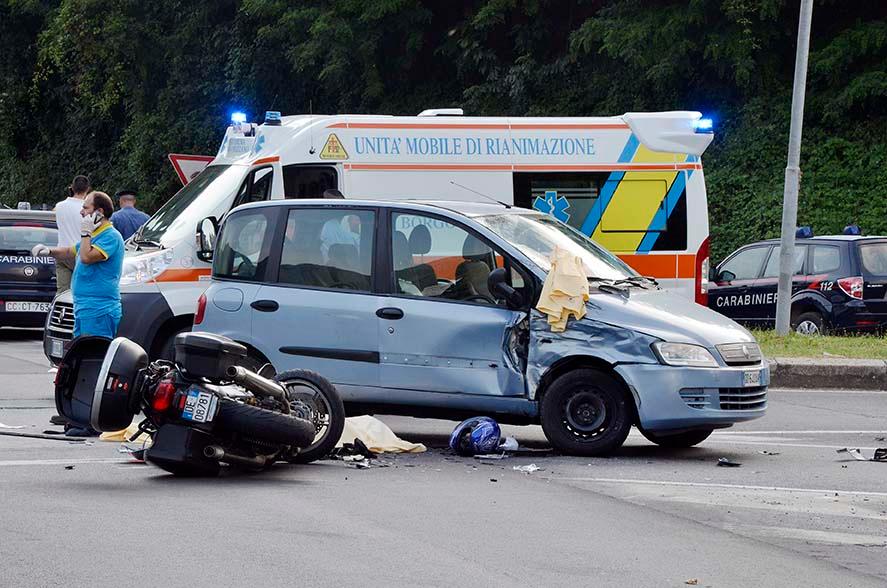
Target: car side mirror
(498,285)
(726,276)
(206,238)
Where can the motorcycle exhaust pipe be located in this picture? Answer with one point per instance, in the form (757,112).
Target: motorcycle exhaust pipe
(219,454)
(258,385)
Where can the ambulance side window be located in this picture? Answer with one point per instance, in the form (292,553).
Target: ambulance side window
(308,181)
(256,187)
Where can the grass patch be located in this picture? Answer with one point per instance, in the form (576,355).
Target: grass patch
(794,345)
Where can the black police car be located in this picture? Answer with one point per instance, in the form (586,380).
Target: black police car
(27,284)
(840,284)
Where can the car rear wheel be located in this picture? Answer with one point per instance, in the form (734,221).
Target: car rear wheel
(809,323)
(586,412)
(686,439)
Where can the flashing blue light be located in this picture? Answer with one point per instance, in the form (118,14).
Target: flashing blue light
(238,117)
(272,118)
(804,232)
(852,230)
(704,125)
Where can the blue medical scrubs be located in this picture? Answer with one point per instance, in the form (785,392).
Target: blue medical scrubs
(96,286)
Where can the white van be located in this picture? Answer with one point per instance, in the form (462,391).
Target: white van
(633,183)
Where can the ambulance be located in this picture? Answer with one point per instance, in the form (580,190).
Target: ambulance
(633,183)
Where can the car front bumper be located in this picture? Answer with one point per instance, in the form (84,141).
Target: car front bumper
(674,399)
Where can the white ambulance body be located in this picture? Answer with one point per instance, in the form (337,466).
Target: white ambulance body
(633,183)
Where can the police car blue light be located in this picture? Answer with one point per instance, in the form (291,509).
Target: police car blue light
(272,118)
(238,117)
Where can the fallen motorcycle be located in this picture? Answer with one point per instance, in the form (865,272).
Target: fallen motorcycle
(203,409)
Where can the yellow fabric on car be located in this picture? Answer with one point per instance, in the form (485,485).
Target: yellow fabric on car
(565,291)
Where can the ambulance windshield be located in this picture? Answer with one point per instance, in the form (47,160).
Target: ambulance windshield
(536,236)
(209,194)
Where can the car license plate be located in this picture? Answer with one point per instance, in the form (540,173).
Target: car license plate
(751,378)
(27,306)
(57,347)
(200,407)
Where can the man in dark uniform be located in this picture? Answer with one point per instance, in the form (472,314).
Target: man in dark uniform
(128,219)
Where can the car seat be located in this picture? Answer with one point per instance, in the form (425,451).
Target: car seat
(475,270)
(422,274)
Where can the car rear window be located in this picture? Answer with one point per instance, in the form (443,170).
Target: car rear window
(874,258)
(23,235)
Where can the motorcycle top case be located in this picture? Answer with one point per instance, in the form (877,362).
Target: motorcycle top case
(206,355)
(96,382)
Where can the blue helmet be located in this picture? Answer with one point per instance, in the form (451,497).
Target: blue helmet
(475,436)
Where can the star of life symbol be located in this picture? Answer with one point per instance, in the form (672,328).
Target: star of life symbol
(554,205)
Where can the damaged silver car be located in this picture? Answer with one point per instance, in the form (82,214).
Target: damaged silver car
(428,309)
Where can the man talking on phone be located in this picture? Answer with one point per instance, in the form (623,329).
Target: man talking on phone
(98,262)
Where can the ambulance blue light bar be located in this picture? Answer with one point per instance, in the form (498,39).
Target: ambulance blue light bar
(272,118)
(704,125)
(238,118)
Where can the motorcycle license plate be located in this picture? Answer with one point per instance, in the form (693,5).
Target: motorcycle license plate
(200,407)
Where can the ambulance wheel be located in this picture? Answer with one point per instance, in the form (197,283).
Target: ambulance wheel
(314,398)
(686,439)
(586,412)
(809,323)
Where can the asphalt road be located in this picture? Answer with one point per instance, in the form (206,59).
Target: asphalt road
(795,513)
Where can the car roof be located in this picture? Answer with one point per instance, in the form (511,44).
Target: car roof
(822,239)
(34,215)
(463,207)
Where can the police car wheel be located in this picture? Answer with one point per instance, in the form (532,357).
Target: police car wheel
(810,323)
(586,412)
(686,439)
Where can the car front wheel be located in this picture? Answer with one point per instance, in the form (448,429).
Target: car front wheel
(586,412)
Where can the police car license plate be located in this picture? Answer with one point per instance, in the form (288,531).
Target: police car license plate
(27,307)
(751,378)
(200,407)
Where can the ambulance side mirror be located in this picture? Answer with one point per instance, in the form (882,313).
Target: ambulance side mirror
(206,238)
(497,284)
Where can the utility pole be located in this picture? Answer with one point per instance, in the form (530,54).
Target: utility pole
(792,174)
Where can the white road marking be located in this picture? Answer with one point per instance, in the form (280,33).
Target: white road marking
(803,432)
(48,462)
(716,485)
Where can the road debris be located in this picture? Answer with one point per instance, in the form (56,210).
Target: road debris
(692,582)
(69,467)
(44,436)
(879,455)
(723,462)
(527,469)
(492,456)
(765,452)
(493,480)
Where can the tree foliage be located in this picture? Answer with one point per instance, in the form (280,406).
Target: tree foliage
(109,87)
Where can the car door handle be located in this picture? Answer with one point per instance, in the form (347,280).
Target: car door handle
(265,305)
(391,314)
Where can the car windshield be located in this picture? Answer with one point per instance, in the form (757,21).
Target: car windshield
(23,235)
(536,236)
(209,194)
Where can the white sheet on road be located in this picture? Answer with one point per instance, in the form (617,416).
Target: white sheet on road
(376,436)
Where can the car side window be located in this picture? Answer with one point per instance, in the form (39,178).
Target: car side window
(746,264)
(242,252)
(328,248)
(772,269)
(437,259)
(826,258)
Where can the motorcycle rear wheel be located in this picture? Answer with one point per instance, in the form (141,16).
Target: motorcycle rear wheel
(263,424)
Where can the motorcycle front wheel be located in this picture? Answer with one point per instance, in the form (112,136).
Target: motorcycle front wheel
(313,396)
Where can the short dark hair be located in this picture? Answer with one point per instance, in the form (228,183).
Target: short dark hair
(121,193)
(80,184)
(102,201)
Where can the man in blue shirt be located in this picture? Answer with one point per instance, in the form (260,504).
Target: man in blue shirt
(128,219)
(98,257)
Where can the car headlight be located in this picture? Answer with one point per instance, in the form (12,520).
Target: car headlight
(684,354)
(144,268)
